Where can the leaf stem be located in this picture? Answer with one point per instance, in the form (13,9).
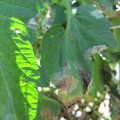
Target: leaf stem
(69,14)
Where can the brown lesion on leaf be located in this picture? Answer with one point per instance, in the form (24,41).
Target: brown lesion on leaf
(66,83)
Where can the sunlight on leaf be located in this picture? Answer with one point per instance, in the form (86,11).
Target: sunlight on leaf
(26,61)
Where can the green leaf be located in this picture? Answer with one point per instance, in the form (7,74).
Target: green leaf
(27,75)
(22,9)
(116,28)
(97,84)
(109,3)
(63,50)
(59,15)
(12,104)
(25,10)
(105,2)
(50,108)
(24,56)
(26,61)
(18,72)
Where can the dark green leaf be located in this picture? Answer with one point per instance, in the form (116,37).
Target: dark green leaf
(63,51)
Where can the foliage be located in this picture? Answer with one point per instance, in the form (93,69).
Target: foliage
(59,59)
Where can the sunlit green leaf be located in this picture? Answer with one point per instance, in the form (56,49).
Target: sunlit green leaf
(27,63)
(12,101)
